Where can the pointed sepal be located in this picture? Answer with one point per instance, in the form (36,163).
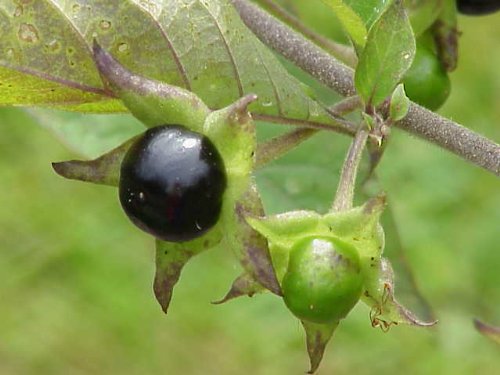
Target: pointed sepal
(105,170)
(243,285)
(379,295)
(251,247)
(317,337)
(153,102)
(487,330)
(171,257)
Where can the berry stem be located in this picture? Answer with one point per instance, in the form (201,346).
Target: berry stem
(345,191)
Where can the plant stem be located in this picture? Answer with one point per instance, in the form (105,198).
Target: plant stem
(345,191)
(344,53)
(328,70)
(277,146)
(345,106)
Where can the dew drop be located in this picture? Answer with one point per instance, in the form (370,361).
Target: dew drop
(105,25)
(28,33)
(19,11)
(406,56)
(10,53)
(53,46)
(122,47)
(268,103)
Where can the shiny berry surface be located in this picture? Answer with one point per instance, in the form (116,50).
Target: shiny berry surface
(478,7)
(172,182)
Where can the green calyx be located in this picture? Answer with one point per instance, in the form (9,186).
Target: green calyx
(230,129)
(323,260)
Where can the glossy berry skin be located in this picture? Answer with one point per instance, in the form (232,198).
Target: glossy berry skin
(172,182)
(323,281)
(478,7)
(427,82)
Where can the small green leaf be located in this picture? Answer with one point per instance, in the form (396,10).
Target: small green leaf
(399,104)
(388,54)
(369,120)
(368,10)
(423,13)
(350,20)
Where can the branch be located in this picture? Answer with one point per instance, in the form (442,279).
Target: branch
(328,70)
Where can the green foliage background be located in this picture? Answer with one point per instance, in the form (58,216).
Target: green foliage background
(75,275)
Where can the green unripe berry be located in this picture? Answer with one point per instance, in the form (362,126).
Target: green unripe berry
(323,281)
(427,82)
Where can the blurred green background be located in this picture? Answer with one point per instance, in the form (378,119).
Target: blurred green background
(75,275)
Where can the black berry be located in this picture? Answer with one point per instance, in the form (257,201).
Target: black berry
(172,182)
(478,7)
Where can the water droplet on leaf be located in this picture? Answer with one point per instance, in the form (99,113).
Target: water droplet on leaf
(53,46)
(122,47)
(105,25)
(10,53)
(19,11)
(28,33)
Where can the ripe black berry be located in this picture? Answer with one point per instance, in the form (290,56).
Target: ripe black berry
(172,182)
(478,7)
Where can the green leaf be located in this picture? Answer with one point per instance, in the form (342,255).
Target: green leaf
(399,104)
(423,13)
(388,54)
(357,17)
(368,10)
(351,21)
(202,46)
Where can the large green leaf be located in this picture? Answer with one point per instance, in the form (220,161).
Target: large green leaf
(388,53)
(202,46)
